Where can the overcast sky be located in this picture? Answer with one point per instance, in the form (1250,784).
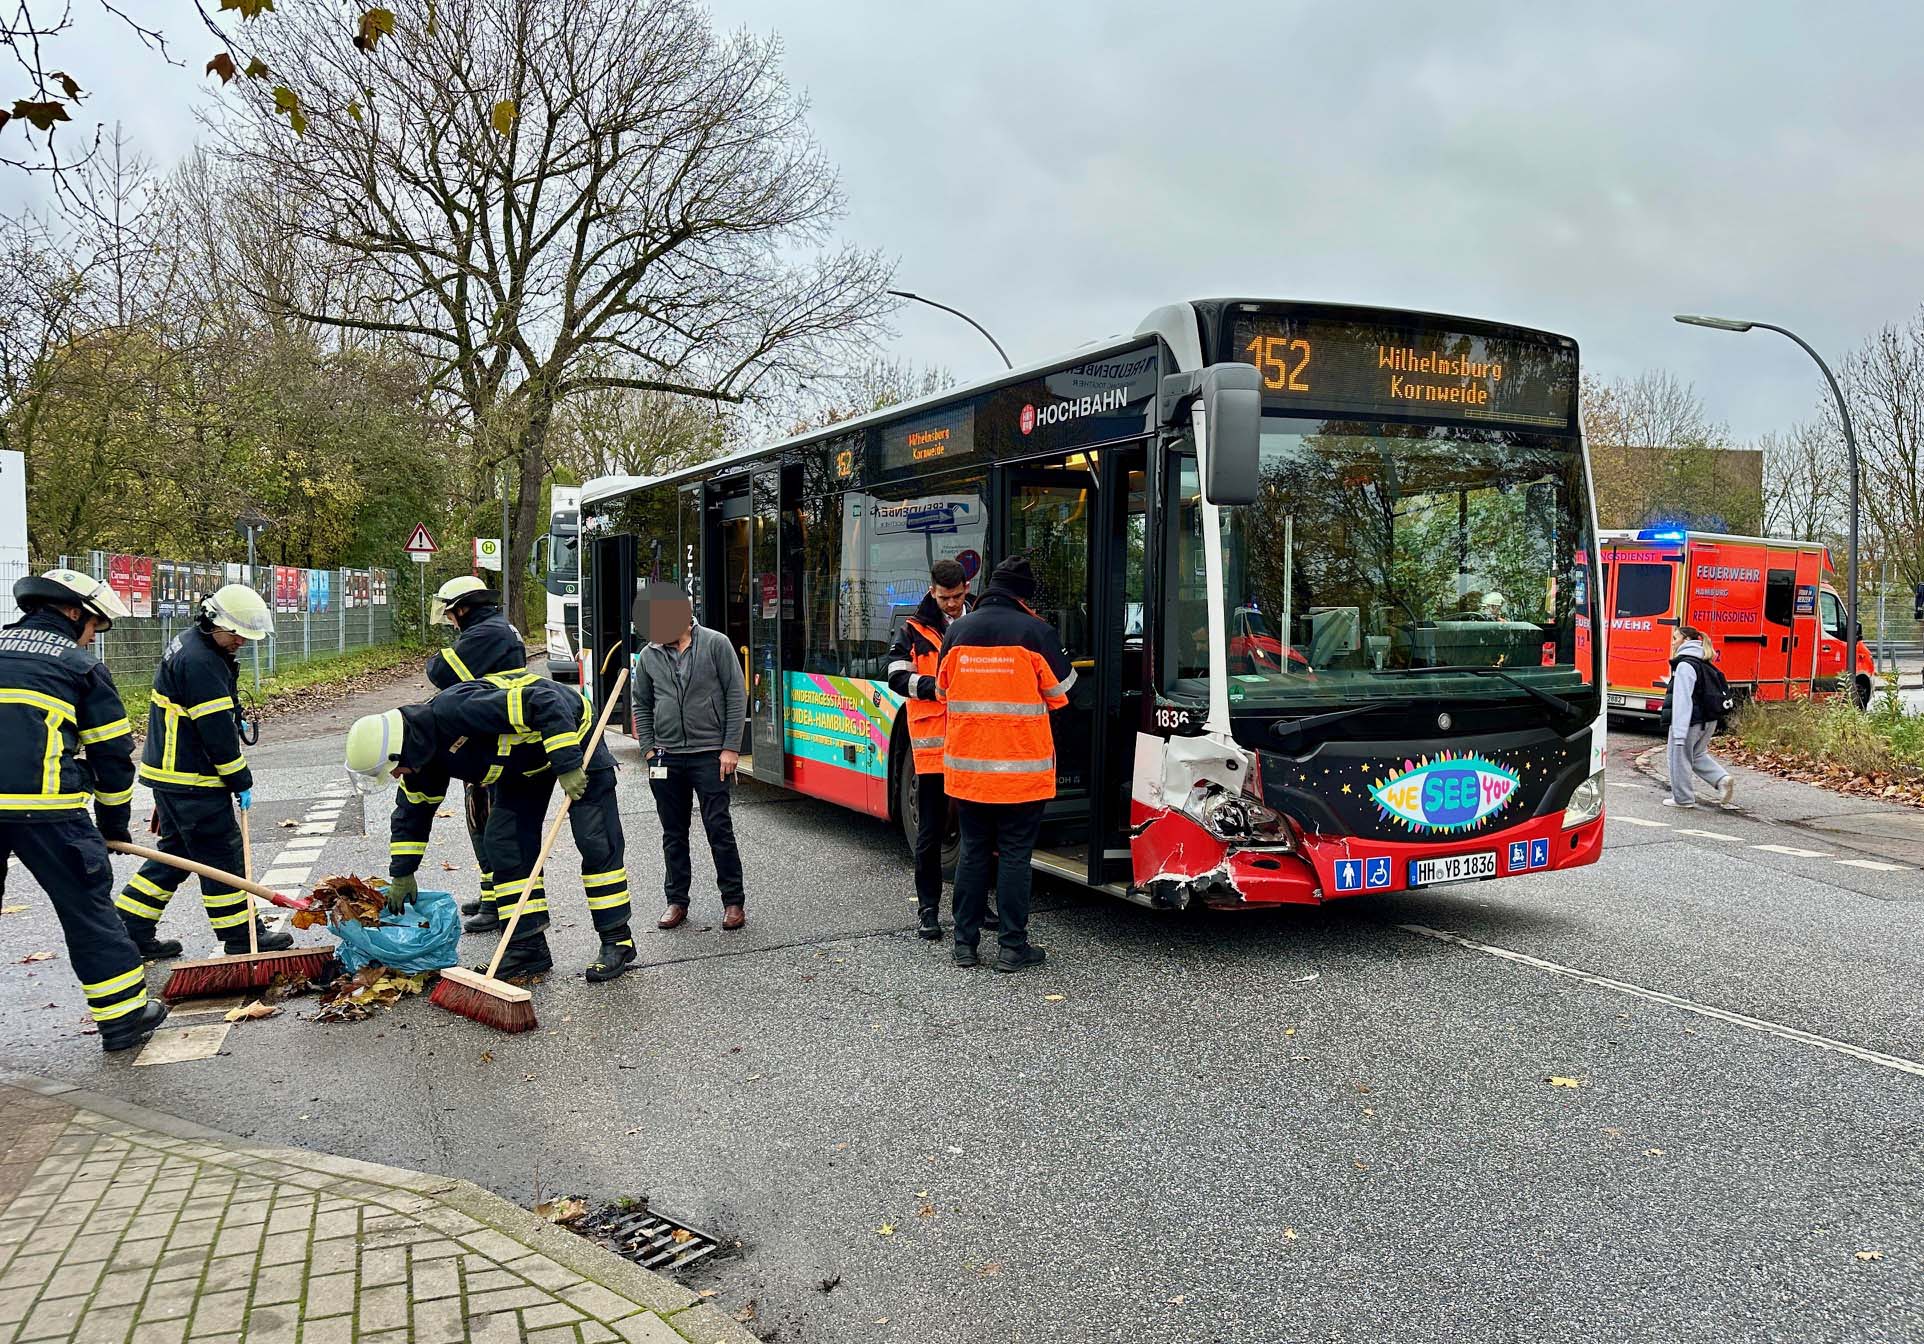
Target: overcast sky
(1060,167)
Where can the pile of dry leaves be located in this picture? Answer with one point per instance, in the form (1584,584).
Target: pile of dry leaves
(1825,774)
(352,997)
(342,897)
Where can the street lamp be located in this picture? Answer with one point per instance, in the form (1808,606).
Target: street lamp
(1850,445)
(917,298)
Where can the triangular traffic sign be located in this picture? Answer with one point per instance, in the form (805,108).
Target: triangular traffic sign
(420,542)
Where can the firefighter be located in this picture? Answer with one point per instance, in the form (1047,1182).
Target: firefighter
(485,642)
(914,658)
(56,701)
(1002,670)
(521,734)
(194,763)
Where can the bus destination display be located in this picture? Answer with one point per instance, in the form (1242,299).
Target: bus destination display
(928,440)
(1340,366)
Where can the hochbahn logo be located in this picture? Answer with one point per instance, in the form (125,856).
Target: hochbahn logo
(1077,408)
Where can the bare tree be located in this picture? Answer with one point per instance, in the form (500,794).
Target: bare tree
(1884,385)
(622,432)
(1805,478)
(561,199)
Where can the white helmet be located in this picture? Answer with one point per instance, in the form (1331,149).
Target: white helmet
(460,592)
(240,609)
(69,587)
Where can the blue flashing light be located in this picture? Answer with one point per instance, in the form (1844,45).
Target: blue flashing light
(1653,534)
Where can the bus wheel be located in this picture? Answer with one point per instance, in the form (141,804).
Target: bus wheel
(908,808)
(1861,691)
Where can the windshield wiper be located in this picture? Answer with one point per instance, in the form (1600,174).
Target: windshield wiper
(1289,731)
(1556,702)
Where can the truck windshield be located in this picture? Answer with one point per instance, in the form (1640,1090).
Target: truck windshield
(1380,547)
(564,558)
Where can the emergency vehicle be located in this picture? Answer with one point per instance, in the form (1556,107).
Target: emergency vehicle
(1777,627)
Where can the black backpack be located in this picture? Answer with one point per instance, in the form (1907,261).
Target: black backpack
(1710,697)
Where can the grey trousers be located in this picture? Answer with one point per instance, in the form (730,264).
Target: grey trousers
(1690,756)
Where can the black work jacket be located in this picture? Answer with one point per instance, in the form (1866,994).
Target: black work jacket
(193,720)
(57,701)
(486,644)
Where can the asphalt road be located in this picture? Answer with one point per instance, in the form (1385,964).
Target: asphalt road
(1308,1125)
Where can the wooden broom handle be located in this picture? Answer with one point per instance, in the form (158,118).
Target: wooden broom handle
(234,880)
(247,871)
(554,827)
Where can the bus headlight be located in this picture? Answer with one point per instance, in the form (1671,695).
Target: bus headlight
(1239,819)
(1586,802)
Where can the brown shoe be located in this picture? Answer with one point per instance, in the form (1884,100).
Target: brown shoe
(673,917)
(734,916)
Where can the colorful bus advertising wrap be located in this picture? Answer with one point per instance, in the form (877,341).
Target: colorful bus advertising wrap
(840,721)
(1448,794)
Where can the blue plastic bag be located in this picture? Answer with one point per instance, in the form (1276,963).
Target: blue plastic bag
(404,945)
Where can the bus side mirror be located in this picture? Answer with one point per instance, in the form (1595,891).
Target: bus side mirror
(1232,401)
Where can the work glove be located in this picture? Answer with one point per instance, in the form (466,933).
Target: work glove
(925,688)
(245,798)
(401,890)
(574,784)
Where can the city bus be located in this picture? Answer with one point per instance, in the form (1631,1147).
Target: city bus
(1325,573)
(561,577)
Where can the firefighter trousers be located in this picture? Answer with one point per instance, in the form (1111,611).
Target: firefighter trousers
(199,826)
(476,802)
(68,859)
(513,841)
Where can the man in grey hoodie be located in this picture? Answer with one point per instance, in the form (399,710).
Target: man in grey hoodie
(690,703)
(1689,738)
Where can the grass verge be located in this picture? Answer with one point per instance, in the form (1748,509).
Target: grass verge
(1876,753)
(293,685)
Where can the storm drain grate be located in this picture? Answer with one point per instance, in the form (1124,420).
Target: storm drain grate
(648,1238)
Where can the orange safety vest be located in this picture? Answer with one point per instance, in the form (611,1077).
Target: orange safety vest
(999,692)
(927,718)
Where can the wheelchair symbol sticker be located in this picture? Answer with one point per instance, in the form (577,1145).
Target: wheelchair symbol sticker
(1376,875)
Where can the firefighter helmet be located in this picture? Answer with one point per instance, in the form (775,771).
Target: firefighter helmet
(461,592)
(374,744)
(238,608)
(69,587)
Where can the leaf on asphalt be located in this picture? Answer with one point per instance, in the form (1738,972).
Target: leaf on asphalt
(925,1211)
(1054,998)
(747,1313)
(681,1234)
(885,1230)
(921,1194)
(502,116)
(253,1011)
(11,909)
(1178,1299)
(1289,1234)
(288,823)
(447,867)
(1870,1255)
(487,1056)
(562,1211)
(222,65)
(444,813)
(1563,1082)
(1289,1031)
(353,998)
(32,957)
(708,1292)
(990,1270)
(1653,1152)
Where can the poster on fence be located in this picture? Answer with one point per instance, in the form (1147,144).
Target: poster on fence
(120,577)
(300,590)
(231,573)
(380,587)
(283,588)
(143,589)
(364,586)
(165,588)
(319,591)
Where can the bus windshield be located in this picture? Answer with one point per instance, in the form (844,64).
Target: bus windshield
(1376,550)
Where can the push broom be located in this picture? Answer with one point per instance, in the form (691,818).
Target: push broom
(253,969)
(496,1003)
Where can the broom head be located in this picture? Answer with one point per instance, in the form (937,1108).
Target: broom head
(217,976)
(492,1003)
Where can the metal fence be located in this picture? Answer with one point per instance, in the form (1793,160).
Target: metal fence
(318,613)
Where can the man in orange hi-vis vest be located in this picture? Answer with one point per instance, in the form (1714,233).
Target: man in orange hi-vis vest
(1002,670)
(914,658)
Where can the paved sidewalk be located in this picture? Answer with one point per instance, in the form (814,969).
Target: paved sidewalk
(120,1224)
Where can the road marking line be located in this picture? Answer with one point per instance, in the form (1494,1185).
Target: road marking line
(1639,821)
(315,828)
(291,876)
(1874,865)
(1711,835)
(1794,852)
(306,842)
(1777,1029)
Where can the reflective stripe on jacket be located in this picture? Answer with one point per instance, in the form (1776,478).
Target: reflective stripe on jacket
(193,720)
(1002,670)
(915,654)
(486,644)
(56,703)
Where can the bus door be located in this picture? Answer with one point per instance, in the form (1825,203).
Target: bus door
(610,645)
(1049,515)
(729,575)
(1805,631)
(1122,658)
(764,760)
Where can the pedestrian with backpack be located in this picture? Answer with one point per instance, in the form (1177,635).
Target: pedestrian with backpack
(1694,706)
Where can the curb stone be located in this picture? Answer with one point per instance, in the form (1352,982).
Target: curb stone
(685,1316)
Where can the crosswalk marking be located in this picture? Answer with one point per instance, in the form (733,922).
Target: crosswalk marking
(1794,851)
(1874,865)
(1640,821)
(1711,835)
